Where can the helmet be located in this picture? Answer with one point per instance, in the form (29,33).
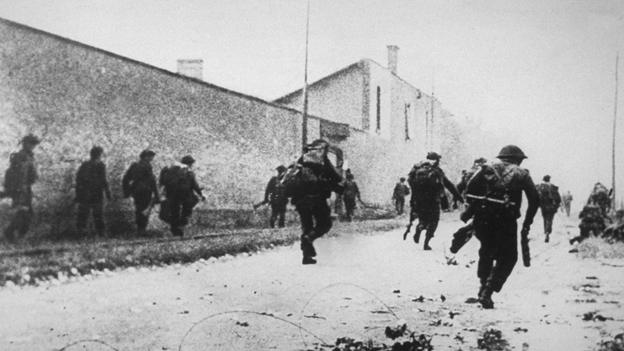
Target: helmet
(280,168)
(187,160)
(511,151)
(30,139)
(434,156)
(147,153)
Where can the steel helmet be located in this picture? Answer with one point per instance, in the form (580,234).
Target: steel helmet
(511,151)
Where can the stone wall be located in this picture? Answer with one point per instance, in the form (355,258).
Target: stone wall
(75,96)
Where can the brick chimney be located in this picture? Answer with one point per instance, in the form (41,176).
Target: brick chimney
(393,58)
(191,68)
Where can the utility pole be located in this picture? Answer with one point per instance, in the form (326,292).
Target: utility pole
(614,197)
(304,117)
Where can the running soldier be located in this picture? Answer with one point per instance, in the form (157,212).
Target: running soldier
(275,196)
(549,204)
(401,190)
(91,186)
(428,181)
(18,181)
(350,195)
(140,183)
(495,195)
(182,192)
(310,182)
(566,202)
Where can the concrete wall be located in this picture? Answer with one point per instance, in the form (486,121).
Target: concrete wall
(74,97)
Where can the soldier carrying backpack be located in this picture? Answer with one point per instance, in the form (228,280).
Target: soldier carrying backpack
(549,204)
(427,181)
(310,182)
(182,192)
(494,196)
(18,179)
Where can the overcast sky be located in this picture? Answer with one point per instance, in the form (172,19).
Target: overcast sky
(538,72)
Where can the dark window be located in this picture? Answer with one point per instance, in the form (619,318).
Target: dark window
(407,113)
(378,108)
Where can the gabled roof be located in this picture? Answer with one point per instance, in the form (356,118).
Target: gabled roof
(342,71)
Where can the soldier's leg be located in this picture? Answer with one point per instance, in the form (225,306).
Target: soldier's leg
(98,217)
(307,229)
(81,218)
(141,203)
(273,217)
(176,213)
(401,202)
(506,256)
(24,221)
(432,225)
(322,217)
(281,213)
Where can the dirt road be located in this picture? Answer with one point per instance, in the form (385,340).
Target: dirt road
(361,285)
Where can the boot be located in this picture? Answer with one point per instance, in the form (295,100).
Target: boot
(307,247)
(308,260)
(426,246)
(547,239)
(485,297)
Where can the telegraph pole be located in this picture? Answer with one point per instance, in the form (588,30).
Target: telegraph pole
(614,198)
(304,117)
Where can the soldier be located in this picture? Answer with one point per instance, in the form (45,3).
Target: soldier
(140,183)
(275,196)
(427,181)
(592,223)
(401,190)
(91,186)
(350,195)
(466,175)
(549,203)
(310,183)
(566,202)
(495,195)
(18,181)
(182,193)
(600,196)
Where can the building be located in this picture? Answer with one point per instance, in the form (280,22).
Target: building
(393,123)
(76,96)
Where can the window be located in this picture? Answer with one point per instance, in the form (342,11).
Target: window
(407,113)
(378,108)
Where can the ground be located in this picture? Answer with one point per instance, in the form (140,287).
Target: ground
(362,283)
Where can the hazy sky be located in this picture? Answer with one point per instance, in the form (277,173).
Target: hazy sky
(538,72)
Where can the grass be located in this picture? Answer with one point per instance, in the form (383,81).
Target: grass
(35,265)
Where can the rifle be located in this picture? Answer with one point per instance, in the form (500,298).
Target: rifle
(409,225)
(461,237)
(524,242)
(261,203)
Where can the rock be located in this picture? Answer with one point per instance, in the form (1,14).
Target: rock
(9,284)
(26,278)
(74,271)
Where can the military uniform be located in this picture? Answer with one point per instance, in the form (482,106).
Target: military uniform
(140,183)
(425,203)
(401,190)
(592,222)
(182,191)
(549,204)
(91,185)
(274,195)
(310,198)
(566,202)
(22,197)
(350,195)
(495,220)
(600,196)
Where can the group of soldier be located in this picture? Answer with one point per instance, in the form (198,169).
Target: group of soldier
(181,191)
(491,194)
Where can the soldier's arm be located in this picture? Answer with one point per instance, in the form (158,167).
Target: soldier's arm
(126,180)
(532,198)
(195,185)
(451,187)
(269,189)
(105,182)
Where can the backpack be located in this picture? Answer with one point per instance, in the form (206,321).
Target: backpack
(424,178)
(547,197)
(298,177)
(12,176)
(176,179)
(491,189)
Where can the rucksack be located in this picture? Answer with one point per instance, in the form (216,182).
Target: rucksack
(176,179)
(491,189)
(298,177)
(424,178)
(12,176)
(548,200)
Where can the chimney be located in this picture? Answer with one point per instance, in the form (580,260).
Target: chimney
(191,68)
(393,58)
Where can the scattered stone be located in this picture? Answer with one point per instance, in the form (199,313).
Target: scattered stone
(492,340)
(443,298)
(591,277)
(397,291)
(184,312)
(617,344)
(242,324)
(419,299)
(521,330)
(453,314)
(74,271)
(472,300)
(9,284)
(595,316)
(396,332)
